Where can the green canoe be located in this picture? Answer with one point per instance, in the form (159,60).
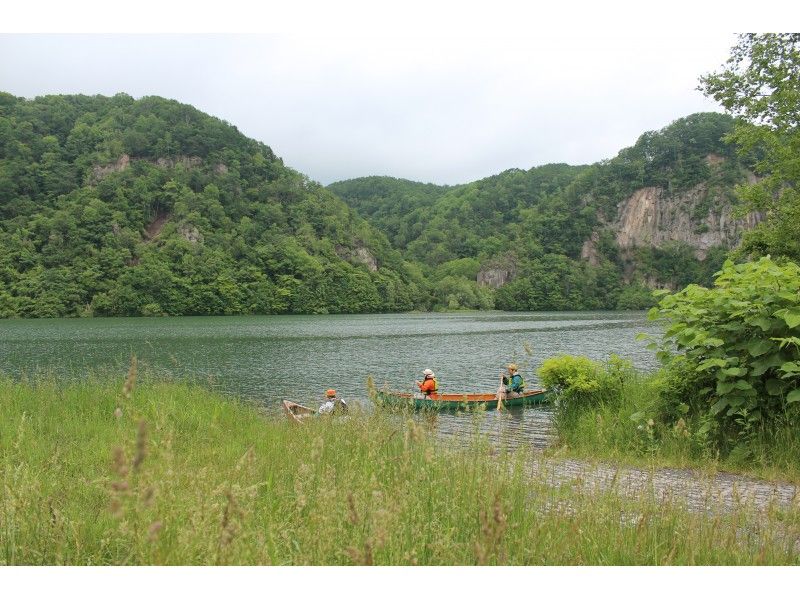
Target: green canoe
(454,402)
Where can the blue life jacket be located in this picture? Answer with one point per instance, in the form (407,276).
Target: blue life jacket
(516,384)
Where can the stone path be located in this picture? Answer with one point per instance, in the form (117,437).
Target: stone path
(699,491)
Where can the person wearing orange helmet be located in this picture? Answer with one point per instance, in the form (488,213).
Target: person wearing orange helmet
(333,404)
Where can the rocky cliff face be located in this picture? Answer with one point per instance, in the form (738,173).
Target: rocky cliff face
(494,277)
(498,272)
(100,171)
(358,255)
(701,217)
(651,218)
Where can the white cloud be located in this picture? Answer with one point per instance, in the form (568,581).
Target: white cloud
(448,108)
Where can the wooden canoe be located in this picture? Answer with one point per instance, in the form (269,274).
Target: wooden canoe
(297,412)
(455,402)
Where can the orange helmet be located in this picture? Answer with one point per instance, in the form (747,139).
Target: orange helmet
(330,393)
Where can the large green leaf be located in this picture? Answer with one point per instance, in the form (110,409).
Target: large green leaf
(790,367)
(792,317)
(724,388)
(759,366)
(759,347)
(762,322)
(735,372)
(715,362)
(718,406)
(793,396)
(775,386)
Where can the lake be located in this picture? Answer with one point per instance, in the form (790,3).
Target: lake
(269,358)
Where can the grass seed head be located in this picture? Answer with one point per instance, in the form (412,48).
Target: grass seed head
(141,445)
(130,379)
(353,512)
(228,527)
(119,464)
(153,530)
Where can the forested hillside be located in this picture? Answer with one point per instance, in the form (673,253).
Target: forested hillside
(659,214)
(116,206)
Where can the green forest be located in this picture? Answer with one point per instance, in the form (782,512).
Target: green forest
(533,223)
(112,206)
(116,206)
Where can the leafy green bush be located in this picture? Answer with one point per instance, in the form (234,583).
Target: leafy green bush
(581,383)
(678,418)
(742,362)
(677,384)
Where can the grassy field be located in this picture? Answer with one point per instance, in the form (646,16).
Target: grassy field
(169,473)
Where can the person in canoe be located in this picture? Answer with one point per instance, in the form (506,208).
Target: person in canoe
(429,385)
(332,404)
(511,384)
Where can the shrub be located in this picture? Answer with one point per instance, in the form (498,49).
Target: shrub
(677,385)
(730,350)
(582,383)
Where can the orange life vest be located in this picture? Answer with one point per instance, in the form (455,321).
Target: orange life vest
(429,386)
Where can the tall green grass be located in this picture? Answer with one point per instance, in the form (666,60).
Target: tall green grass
(180,475)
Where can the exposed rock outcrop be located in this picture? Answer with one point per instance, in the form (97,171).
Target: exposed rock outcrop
(190,233)
(187,162)
(359,255)
(589,250)
(650,218)
(496,273)
(154,228)
(99,172)
(493,277)
(363,255)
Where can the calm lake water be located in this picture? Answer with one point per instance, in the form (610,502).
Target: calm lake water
(269,358)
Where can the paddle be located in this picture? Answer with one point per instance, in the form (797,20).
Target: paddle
(500,392)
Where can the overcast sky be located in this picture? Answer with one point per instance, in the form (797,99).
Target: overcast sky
(437,107)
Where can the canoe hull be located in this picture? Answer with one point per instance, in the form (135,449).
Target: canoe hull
(459,402)
(296,412)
